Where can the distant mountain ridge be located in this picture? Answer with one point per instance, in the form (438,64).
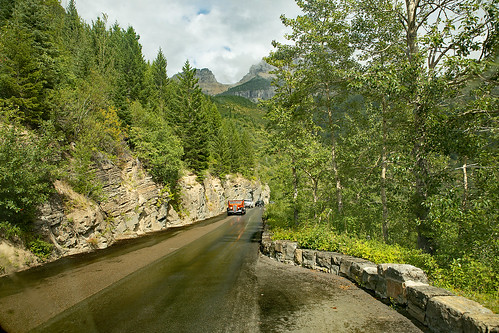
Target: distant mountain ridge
(255,85)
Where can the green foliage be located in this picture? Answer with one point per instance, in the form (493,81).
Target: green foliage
(40,248)
(156,145)
(393,138)
(189,117)
(460,275)
(256,83)
(29,58)
(27,163)
(9,231)
(79,171)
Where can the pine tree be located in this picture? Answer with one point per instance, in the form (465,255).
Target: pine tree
(190,120)
(30,59)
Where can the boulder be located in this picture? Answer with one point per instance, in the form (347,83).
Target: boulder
(481,323)
(323,261)
(419,295)
(370,277)
(308,258)
(357,269)
(298,257)
(393,278)
(447,313)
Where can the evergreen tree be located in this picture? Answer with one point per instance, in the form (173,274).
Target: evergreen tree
(159,75)
(76,38)
(30,59)
(156,145)
(190,120)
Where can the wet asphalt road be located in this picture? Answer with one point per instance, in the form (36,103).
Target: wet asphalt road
(208,278)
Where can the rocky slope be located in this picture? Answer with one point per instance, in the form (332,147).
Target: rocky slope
(135,205)
(257,88)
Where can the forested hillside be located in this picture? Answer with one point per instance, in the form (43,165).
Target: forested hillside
(73,93)
(385,129)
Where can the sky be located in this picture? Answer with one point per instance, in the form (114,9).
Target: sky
(226,36)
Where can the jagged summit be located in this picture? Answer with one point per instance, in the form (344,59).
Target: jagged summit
(262,69)
(209,84)
(254,85)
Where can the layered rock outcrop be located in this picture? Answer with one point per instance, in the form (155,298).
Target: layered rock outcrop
(133,206)
(209,198)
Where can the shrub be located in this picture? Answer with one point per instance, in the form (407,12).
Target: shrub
(26,165)
(40,248)
(9,231)
(459,276)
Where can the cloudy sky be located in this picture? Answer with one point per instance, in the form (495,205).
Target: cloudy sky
(226,36)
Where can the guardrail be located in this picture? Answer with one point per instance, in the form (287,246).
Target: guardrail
(403,285)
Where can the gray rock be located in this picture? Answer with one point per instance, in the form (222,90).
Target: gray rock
(308,258)
(447,313)
(324,260)
(289,253)
(403,272)
(481,323)
(370,277)
(419,295)
(357,269)
(345,264)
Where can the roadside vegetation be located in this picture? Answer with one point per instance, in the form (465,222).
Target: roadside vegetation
(385,131)
(75,94)
(381,142)
(459,275)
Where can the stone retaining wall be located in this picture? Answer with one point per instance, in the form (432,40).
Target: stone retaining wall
(404,285)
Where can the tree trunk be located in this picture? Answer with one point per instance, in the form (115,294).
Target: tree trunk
(295,192)
(383,174)
(412,32)
(465,183)
(339,196)
(421,174)
(421,171)
(314,192)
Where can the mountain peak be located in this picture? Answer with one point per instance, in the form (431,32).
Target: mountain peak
(208,83)
(254,86)
(204,75)
(262,69)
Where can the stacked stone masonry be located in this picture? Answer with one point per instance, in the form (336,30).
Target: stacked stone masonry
(404,285)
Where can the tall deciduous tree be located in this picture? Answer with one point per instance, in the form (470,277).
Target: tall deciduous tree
(443,37)
(322,53)
(378,38)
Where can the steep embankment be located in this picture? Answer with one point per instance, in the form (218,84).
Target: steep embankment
(134,206)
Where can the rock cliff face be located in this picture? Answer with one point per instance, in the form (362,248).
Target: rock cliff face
(134,206)
(262,69)
(255,85)
(209,199)
(264,92)
(209,84)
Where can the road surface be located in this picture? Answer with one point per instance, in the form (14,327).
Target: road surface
(206,278)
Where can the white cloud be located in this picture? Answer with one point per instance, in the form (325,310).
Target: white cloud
(226,36)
